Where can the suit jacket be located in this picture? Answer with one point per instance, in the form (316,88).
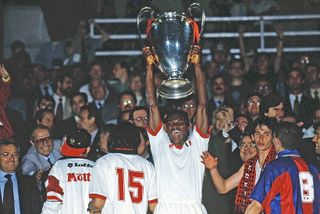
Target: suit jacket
(95,152)
(29,195)
(306,109)
(109,111)
(32,161)
(64,127)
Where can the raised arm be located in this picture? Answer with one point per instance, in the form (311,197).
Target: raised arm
(277,61)
(201,116)
(242,48)
(154,113)
(223,185)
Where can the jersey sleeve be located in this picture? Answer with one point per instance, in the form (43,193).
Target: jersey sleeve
(98,187)
(157,139)
(54,185)
(200,139)
(152,188)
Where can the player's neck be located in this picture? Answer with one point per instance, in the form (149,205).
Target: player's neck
(262,156)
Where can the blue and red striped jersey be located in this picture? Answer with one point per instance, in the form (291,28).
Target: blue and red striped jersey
(288,185)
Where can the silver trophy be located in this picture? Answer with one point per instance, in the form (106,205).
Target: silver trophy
(170,37)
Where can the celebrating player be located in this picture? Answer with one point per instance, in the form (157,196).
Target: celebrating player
(69,178)
(122,181)
(288,184)
(176,154)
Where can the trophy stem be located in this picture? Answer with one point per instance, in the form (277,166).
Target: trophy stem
(175,88)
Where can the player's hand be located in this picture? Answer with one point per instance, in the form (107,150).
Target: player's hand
(195,54)
(150,58)
(209,161)
(4,73)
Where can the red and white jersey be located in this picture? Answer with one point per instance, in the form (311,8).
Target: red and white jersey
(126,182)
(68,185)
(179,171)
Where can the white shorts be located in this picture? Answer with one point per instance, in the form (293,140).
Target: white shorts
(179,206)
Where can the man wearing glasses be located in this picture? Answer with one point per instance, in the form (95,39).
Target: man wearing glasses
(19,193)
(247,176)
(41,156)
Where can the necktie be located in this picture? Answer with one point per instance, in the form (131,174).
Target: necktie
(50,163)
(8,200)
(219,103)
(46,91)
(59,113)
(99,105)
(296,105)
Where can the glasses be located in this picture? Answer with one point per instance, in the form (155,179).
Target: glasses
(9,155)
(251,102)
(188,106)
(248,145)
(44,140)
(176,123)
(258,134)
(126,102)
(139,119)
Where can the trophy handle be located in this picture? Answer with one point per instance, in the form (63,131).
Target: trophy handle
(191,9)
(147,13)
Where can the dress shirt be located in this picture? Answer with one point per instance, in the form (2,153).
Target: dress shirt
(93,135)
(293,98)
(3,182)
(43,91)
(312,92)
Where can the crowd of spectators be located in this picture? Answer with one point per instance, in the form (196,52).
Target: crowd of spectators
(56,94)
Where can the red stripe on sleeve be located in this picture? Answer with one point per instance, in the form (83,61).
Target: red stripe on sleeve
(281,185)
(154,133)
(53,185)
(153,201)
(97,196)
(202,134)
(54,198)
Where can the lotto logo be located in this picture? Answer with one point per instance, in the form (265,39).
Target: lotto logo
(74,177)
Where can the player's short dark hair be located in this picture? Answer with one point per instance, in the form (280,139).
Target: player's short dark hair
(125,139)
(289,134)
(271,123)
(179,113)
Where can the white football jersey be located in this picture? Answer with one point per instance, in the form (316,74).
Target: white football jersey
(68,186)
(179,172)
(126,182)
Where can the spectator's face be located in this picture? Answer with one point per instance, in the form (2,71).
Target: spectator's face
(136,84)
(263,87)
(241,123)
(263,64)
(76,104)
(263,137)
(253,105)
(218,86)
(98,90)
(117,71)
(86,122)
(47,120)
(236,69)
(312,74)
(276,112)
(42,141)
(126,102)
(96,71)
(295,81)
(66,86)
(103,143)
(9,158)
(177,129)
(190,108)
(39,73)
(45,104)
(316,140)
(317,115)
(247,148)
(212,69)
(140,118)
(220,57)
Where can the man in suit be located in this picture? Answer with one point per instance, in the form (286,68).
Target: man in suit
(43,153)
(19,193)
(78,100)
(104,99)
(90,121)
(63,88)
(295,102)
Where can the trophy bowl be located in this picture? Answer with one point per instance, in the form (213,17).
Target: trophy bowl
(170,37)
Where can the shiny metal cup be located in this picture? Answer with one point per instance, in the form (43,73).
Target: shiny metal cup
(170,37)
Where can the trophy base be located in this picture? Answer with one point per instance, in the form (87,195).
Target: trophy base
(175,88)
